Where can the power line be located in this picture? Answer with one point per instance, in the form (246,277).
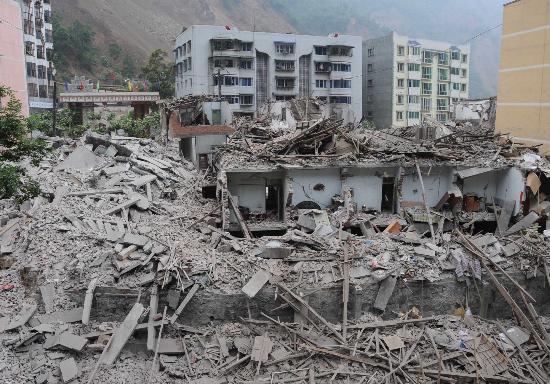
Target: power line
(482,33)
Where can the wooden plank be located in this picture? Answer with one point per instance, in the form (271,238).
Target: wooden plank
(153,304)
(122,334)
(88,299)
(311,311)
(122,206)
(242,223)
(392,323)
(22,318)
(256,283)
(424,201)
(185,301)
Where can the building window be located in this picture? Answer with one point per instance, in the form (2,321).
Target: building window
(400,83)
(340,99)
(40,52)
(426,104)
(442,104)
(321,51)
(41,72)
(414,50)
(246,99)
(400,50)
(443,74)
(413,99)
(441,117)
(414,67)
(369,67)
(189,46)
(463,87)
(231,99)
(189,66)
(370,52)
(414,83)
(322,67)
(284,83)
(426,88)
(370,114)
(427,57)
(340,51)
(321,83)
(31,69)
(464,73)
(29,48)
(400,67)
(284,48)
(245,64)
(455,55)
(223,45)
(400,99)
(399,115)
(370,83)
(247,47)
(341,67)
(369,98)
(443,58)
(28,27)
(246,81)
(456,86)
(455,71)
(49,36)
(464,58)
(284,65)
(43,91)
(442,89)
(223,63)
(426,73)
(32,89)
(340,83)
(414,115)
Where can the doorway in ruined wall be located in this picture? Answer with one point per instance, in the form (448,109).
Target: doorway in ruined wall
(274,199)
(388,195)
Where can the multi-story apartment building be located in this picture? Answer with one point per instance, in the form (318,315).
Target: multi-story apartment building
(38,37)
(249,69)
(405,79)
(523,103)
(12,56)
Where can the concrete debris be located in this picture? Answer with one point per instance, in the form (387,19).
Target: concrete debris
(268,262)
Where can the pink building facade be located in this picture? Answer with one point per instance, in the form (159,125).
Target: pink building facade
(12,52)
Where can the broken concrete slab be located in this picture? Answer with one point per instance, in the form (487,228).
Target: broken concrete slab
(393,342)
(66,340)
(22,318)
(261,348)
(256,282)
(121,336)
(510,249)
(385,292)
(81,159)
(67,316)
(135,239)
(48,294)
(424,252)
(275,250)
(524,223)
(69,370)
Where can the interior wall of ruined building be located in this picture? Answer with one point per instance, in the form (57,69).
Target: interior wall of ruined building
(192,148)
(319,186)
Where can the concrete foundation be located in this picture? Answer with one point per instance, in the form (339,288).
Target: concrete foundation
(441,297)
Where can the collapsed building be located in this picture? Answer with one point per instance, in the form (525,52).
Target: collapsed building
(301,249)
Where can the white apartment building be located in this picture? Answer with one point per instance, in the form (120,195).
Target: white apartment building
(38,36)
(249,69)
(406,79)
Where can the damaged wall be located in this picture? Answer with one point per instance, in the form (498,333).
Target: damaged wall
(437,181)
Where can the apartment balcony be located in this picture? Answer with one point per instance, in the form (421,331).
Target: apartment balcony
(340,91)
(414,91)
(416,59)
(231,53)
(415,75)
(413,107)
(337,52)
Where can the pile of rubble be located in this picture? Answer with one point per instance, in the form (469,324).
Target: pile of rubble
(122,271)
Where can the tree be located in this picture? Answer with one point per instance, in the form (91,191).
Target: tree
(12,123)
(159,72)
(115,51)
(128,67)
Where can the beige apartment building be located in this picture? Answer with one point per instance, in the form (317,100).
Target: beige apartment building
(524,90)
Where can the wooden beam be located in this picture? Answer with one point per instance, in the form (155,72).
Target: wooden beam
(239,217)
(185,301)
